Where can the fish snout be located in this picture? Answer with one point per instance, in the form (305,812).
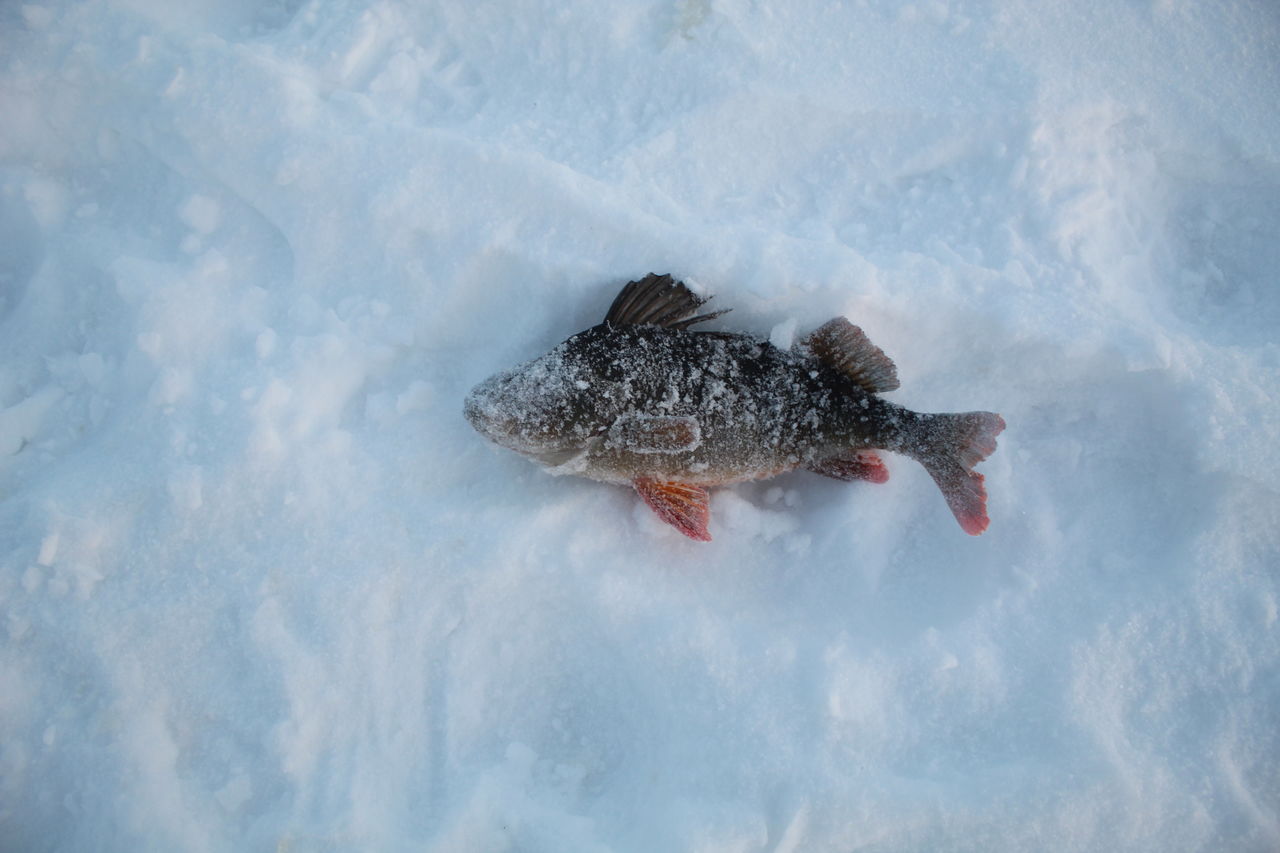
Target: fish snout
(484,410)
(530,414)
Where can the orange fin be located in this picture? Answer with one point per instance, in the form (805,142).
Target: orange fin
(861,465)
(845,347)
(686,508)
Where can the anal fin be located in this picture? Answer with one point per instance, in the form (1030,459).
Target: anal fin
(685,507)
(859,465)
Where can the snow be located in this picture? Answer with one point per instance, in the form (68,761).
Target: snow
(263,587)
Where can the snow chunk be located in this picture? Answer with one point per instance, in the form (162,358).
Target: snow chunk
(93,368)
(48,201)
(233,795)
(172,385)
(201,213)
(783,335)
(150,343)
(48,550)
(415,398)
(265,344)
(21,422)
(186,487)
(745,518)
(32,578)
(37,17)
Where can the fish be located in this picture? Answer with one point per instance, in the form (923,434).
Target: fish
(646,400)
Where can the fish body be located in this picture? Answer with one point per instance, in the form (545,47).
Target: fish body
(643,399)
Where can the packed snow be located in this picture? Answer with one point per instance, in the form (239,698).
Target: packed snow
(264,588)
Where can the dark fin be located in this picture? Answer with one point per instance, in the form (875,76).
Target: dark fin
(949,447)
(845,347)
(686,508)
(657,300)
(860,465)
(655,433)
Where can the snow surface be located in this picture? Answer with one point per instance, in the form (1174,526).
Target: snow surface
(263,587)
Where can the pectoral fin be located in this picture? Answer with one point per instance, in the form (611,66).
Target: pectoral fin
(655,434)
(686,508)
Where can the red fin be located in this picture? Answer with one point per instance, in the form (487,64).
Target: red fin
(845,347)
(686,508)
(862,465)
(955,443)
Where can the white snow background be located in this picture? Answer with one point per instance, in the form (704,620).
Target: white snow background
(263,588)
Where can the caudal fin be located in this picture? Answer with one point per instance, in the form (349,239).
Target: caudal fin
(948,447)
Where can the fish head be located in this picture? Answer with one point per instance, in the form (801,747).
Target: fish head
(549,408)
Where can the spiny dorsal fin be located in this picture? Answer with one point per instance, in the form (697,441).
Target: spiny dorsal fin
(657,300)
(842,345)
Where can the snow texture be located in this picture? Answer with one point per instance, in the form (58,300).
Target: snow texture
(264,588)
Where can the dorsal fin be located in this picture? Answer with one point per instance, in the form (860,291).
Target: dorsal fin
(657,300)
(842,345)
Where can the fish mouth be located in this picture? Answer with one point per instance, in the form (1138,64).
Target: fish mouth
(494,425)
(558,457)
(485,409)
(481,416)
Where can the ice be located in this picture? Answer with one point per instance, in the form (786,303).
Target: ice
(263,587)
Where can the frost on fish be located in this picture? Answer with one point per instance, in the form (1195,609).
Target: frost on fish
(644,399)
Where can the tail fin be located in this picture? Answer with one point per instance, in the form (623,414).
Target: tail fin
(948,447)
